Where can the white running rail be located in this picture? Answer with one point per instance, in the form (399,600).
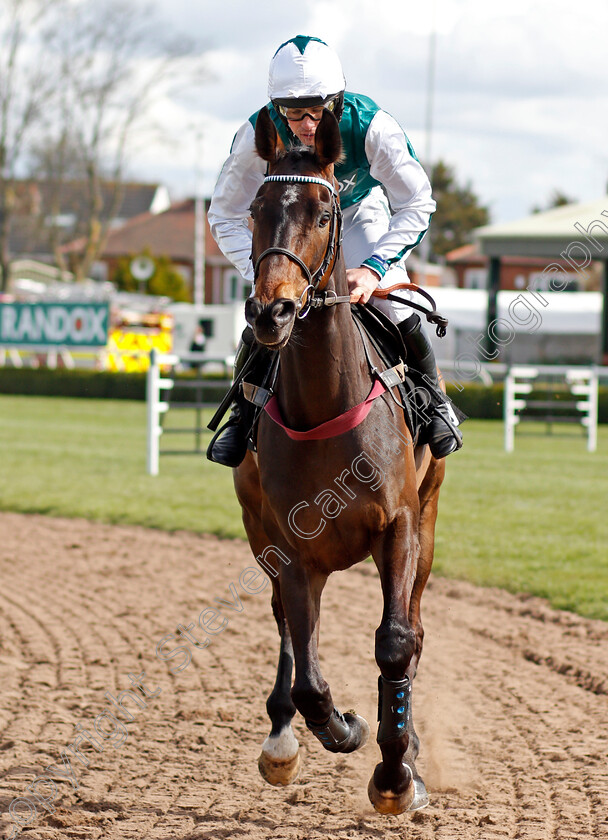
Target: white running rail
(581,382)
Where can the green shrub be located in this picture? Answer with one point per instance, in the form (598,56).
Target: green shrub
(43,382)
(486,403)
(477,401)
(166,280)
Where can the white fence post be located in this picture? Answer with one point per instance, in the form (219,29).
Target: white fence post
(152,399)
(154,406)
(511,401)
(584,382)
(509,415)
(581,382)
(594,384)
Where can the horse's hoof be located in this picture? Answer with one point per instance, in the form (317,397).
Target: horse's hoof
(279,771)
(388,802)
(358,725)
(421,797)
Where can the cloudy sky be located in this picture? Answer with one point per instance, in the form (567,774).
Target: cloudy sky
(520,93)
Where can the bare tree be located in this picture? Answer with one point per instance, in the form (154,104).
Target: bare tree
(55,164)
(115,62)
(26,92)
(78,80)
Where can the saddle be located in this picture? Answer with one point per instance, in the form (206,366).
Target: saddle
(384,336)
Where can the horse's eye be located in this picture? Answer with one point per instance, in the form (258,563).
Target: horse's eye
(324,220)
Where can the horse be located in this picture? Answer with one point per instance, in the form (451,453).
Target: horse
(374,491)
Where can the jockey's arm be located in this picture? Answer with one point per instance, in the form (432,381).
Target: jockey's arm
(394,165)
(241,177)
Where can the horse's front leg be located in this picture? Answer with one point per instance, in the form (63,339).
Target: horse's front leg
(393,786)
(279,762)
(301,595)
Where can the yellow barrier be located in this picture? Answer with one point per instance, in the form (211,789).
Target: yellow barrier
(128,349)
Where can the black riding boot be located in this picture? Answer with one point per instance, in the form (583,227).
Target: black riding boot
(443,434)
(229,445)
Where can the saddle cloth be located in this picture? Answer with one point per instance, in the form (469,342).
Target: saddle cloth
(388,343)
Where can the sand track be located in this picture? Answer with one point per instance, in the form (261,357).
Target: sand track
(511,701)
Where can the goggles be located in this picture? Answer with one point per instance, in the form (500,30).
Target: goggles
(298,114)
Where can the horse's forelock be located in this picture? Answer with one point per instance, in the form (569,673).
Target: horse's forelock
(298,154)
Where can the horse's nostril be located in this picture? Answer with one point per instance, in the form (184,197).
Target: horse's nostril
(253,309)
(282,311)
(271,319)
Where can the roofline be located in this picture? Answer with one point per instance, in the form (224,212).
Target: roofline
(580,229)
(549,247)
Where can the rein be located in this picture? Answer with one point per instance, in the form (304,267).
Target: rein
(433,317)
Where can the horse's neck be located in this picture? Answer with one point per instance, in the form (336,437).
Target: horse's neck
(322,372)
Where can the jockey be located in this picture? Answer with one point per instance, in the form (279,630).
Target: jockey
(385,198)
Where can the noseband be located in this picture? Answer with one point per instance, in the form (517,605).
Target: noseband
(313,300)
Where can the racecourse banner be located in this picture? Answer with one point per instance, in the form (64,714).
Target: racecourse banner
(43,325)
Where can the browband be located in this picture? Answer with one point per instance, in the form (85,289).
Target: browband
(302,179)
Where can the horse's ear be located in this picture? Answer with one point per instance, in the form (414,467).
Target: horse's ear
(267,141)
(328,142)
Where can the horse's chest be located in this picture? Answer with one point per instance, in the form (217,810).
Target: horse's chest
(329,509)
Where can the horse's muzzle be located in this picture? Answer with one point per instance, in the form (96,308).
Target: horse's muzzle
(272,322)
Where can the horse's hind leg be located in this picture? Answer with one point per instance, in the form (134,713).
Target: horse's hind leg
(429,497)
(279,762)
(392,788)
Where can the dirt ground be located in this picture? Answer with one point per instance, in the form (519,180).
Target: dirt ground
(510,701)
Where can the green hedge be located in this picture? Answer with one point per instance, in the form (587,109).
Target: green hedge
(482,403)
(477,401)
(43,382)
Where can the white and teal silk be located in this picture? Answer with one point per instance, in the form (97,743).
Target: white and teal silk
(379,171)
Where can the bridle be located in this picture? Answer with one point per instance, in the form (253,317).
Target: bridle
(310,299)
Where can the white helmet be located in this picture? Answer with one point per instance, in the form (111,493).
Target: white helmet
(305,72)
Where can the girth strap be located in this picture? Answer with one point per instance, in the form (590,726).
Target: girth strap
(256,394)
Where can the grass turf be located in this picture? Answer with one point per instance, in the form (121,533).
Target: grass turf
(530,521)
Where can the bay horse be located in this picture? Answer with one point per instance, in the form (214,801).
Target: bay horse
(323,374)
